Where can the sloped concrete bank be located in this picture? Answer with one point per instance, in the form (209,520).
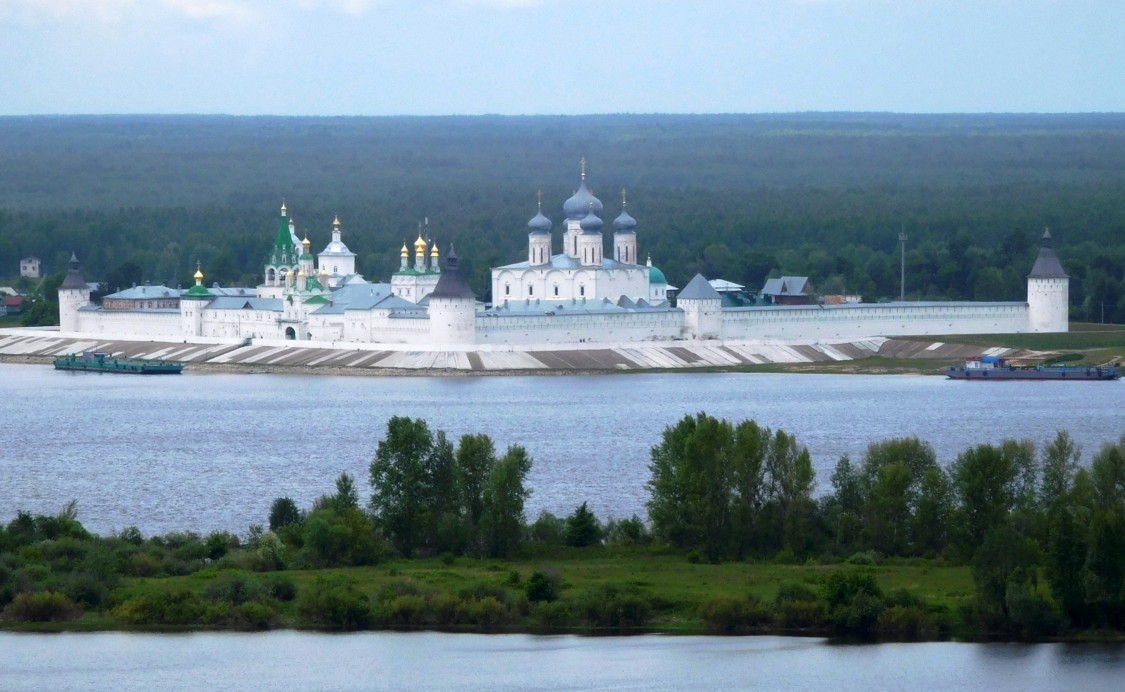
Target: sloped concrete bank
(41,346)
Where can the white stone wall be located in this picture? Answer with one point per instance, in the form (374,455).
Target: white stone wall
(853,321)
(241,324)
(578,328)
(131,325)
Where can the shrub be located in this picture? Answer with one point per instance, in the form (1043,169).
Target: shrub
(616,607)
(548,529)
(41,606)
(142,565)
(728,614)
(859,615)
(800,614)
(487,613)
(541,587)
(407,610)
(85,588)
(334,603)
(794,592)
(903,621)
(865,558)
(628,532)
(257,614)
(553,614)
(445,609)
(180,607)
(234,588)
(842,587)
(281,588)
(482,590)
(219,543)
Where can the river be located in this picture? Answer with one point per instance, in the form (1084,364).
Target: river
(437,661)
(204,451)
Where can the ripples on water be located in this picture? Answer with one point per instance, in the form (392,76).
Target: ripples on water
(435,661)
(207,451)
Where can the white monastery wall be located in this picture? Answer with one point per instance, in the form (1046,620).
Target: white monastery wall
(543,329)
(850,321)
(131,324)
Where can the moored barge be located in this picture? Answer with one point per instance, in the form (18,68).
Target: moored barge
(994,368)
(96,361)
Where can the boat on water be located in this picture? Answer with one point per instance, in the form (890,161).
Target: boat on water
(96,361)
(995,368)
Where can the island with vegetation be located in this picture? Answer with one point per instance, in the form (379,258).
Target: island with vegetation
(1007,541)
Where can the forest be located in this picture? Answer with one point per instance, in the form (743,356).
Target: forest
(741,197)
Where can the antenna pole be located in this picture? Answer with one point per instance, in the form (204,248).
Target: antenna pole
(902,261)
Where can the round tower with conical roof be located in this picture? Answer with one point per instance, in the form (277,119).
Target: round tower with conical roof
(73,294)
(1048,291)
(453,306)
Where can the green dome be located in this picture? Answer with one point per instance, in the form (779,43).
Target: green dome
(655,276)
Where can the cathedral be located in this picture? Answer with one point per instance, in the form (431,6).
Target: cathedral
(552,299)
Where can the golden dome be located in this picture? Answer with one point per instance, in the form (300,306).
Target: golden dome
(301,273)
(336,222)
(405,250)
(434,251)
(420,244)
(306,242)
(198,275)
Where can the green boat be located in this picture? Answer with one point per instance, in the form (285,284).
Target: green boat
(95,361)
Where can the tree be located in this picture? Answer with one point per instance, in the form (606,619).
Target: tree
(747,460)
(346,497)
(791,480)
(400,482)
(583,528)
(930,528)
(983,480)
(1059,462)
(689,501)
(505,495)
(475,459)
(284,512)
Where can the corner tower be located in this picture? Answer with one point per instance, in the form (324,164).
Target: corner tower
(73,294)
(453,306)
(1048,291)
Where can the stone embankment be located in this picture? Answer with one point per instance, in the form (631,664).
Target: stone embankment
(41,346)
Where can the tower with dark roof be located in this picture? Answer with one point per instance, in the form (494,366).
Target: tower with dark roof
(453,306)
(73,294)
(1048,291)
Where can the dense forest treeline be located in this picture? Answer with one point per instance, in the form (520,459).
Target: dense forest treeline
(1041,534)
(736,196)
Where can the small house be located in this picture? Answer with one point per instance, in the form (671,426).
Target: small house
(788,290)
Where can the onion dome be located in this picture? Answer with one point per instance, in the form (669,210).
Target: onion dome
(434,251)
(198,276)
(655,276)
(539,223)
(420,244)
(591,223)
(306,242)
(405,250)
(624,223)
(578,205)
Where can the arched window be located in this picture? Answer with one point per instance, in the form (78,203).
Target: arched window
(556,290)
(507,290)
(582,290)
(530,290)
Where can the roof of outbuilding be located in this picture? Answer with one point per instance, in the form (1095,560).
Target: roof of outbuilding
(787,286)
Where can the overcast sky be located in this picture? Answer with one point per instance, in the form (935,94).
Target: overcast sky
(430,57)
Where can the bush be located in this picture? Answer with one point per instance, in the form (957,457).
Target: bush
(541,587)
(281,588)
(85,588)
(219,543)
(482,590)
(234,588)
(445,609)
(257,614)
(553,614)
(41,606)
(842,587)
(548,529)
(727,614)
(335,603)
(865,558)
(793,592)
(407,611)
(628,532)
(487,613)
(180,607)
(142,565)
(800,615)
(859,616)
(616,607)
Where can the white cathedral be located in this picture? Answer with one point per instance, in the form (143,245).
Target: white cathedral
(574,297)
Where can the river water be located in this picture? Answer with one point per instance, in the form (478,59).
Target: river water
(437,661)
(207,451)
(211,451)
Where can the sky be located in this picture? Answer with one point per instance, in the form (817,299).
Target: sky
(444,57)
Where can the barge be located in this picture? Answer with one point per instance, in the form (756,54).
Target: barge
(96,361)
(994,368)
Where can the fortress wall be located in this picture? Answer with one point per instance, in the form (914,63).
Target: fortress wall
(854,321)
(542,329)
(241,324)
(131,325)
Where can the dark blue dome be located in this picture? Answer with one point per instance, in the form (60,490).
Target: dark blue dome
(591,223)
(577,206)
(539,223)
(625,223)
